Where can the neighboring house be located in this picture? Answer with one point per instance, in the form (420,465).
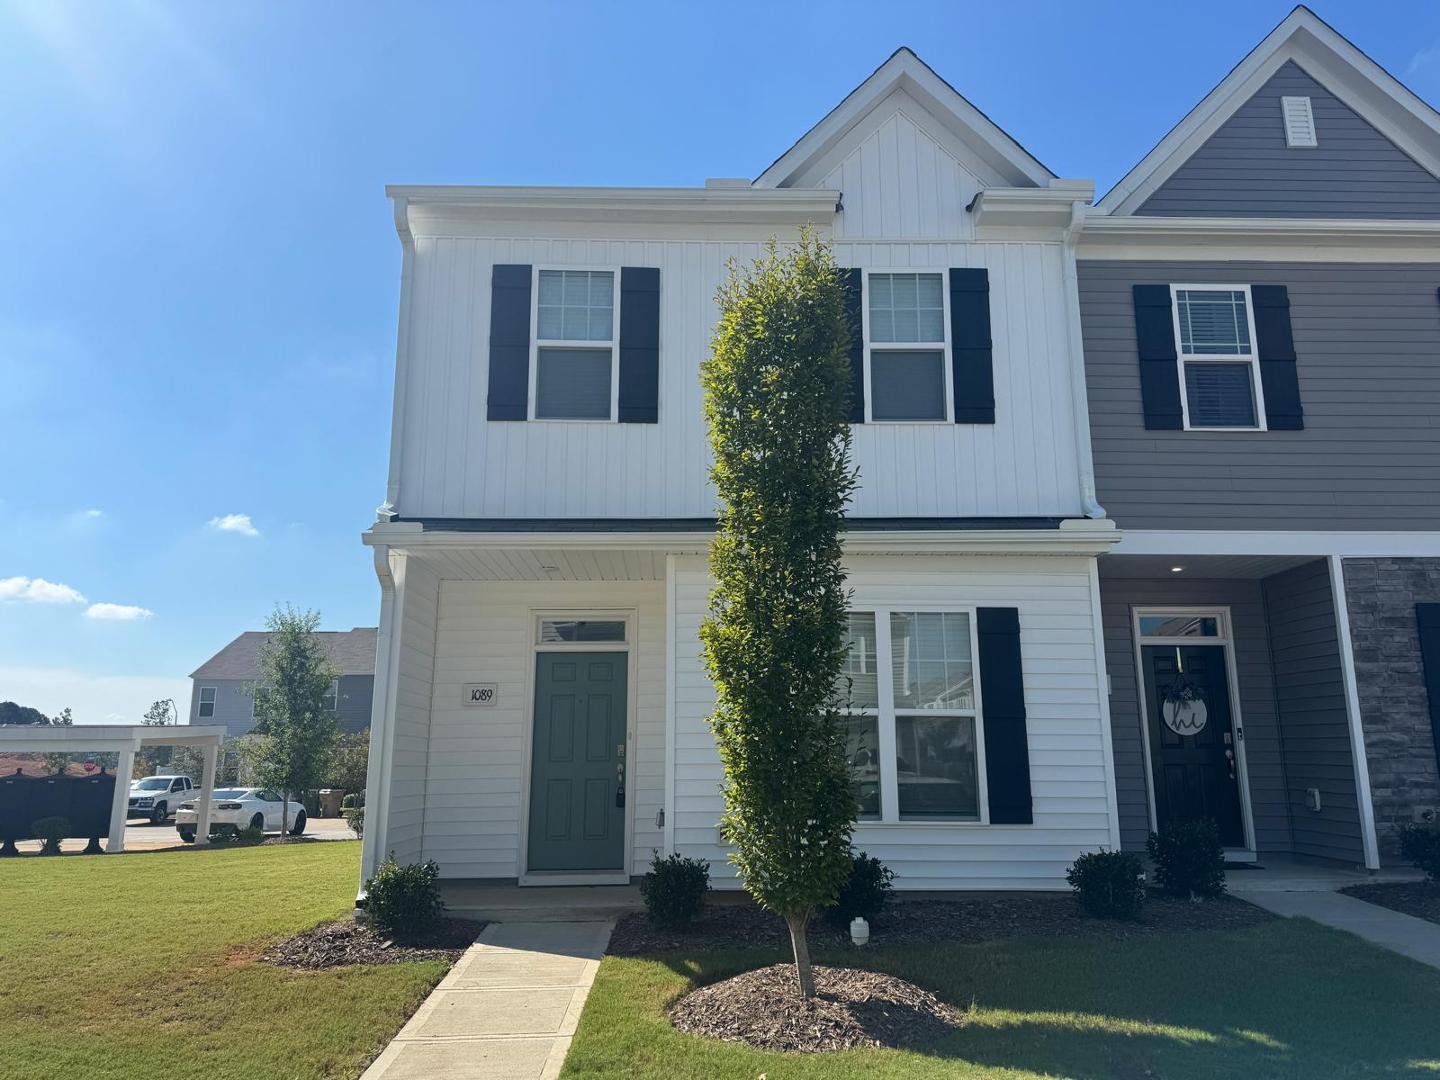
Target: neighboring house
(1262,349)
(221,687)
(541,702)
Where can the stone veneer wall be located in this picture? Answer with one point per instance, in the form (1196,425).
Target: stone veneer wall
(1394,707)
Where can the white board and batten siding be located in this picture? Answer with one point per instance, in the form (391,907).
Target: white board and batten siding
(1062,700)
(475,786)
(905,183)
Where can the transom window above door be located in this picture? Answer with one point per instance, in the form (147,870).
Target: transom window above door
(1219,367)
(574,372)
(908,688)
(906,347)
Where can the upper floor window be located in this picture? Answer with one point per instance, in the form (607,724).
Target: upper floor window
(906,347)
(332,696)
(207,703)
(1219,368)
(574,375)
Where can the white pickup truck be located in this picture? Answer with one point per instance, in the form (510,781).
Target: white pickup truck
(158,797)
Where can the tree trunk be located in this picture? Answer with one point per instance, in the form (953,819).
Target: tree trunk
(798,942)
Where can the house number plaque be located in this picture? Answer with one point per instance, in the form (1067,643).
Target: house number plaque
(480,693)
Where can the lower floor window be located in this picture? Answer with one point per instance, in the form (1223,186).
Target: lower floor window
(908,689)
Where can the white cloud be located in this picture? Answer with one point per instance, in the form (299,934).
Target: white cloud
(38,591)
(236,523)
(1423,59)
(96,699)
(93,513)
(117,612)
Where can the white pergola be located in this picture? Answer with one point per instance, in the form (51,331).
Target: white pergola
(125,740)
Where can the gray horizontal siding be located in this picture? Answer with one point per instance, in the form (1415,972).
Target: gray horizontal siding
(234,704)
(1268,794)
(352,705)
(1245,168)
(1367,338)
(1314,724)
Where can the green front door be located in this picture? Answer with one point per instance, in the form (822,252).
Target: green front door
(577,770)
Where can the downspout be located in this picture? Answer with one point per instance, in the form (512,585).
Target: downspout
(387,510)
(1079,398)
(382,726)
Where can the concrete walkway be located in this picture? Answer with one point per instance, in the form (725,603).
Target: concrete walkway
(506,1011)
(1418,939)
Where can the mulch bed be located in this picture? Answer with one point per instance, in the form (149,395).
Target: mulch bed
(974,918)
(343,943)
(852,1009)
(1418,898)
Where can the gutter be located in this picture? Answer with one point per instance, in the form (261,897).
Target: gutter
(1079,397)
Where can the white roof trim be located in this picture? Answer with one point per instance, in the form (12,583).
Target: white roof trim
(907,71)
(1401,116)
(611,204)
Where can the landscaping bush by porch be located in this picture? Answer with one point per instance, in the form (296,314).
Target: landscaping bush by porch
(1189,859)
(1420,844)
(674,889)
(1108,884)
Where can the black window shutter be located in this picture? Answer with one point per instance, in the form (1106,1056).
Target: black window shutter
(1276,348)
(1007,746)
(1159,376)
(851,279)
(1427,617)
(639,345)
(509,342)
(971,351)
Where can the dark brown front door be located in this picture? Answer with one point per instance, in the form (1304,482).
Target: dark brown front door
(1192,748)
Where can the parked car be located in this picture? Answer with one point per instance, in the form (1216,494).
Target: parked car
(157,797)
(239,808)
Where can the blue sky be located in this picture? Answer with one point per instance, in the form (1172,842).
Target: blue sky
(198,295)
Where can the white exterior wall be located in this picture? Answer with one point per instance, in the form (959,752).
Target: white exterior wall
(476,776)
(905,181)
(1062,699)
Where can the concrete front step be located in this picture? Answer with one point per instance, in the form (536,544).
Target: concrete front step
(548,903)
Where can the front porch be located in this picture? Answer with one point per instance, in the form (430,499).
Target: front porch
(1232,697)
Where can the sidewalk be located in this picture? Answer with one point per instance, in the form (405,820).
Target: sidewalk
(506,1011)
(1418,939)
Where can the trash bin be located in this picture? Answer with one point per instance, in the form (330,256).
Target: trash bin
(330,801)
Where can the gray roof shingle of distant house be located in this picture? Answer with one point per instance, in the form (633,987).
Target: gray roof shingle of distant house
(352,651)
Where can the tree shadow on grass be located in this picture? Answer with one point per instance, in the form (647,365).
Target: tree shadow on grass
(1289,999)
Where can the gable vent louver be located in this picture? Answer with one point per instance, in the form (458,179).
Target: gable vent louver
(1299,122)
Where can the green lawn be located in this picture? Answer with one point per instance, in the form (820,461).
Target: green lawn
(143,965)
(1288,999)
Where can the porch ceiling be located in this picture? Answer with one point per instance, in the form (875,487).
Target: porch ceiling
(1198,566)
(531,564)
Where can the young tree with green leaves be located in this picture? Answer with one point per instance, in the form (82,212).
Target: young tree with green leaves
(295,729)
(777,396)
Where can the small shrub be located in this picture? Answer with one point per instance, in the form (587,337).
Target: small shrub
(675,888)
(1420,844)
(864,893)
(403,901)
(355,818)
(1108,884)
(52,830)
(348,802)
(1189,859)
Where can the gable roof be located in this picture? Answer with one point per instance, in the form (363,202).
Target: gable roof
(1305,38)
(904,70)
(352,651)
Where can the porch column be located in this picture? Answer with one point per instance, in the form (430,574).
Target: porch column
(120,802)
(207,791)
(1366,805)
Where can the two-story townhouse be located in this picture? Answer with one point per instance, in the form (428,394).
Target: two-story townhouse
(541,704)
(222,688)
(1262,348)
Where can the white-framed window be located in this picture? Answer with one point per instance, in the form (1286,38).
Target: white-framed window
(575,321)
(907,347)
(1215,348)
(332,696)
(914,734)
(206,709)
